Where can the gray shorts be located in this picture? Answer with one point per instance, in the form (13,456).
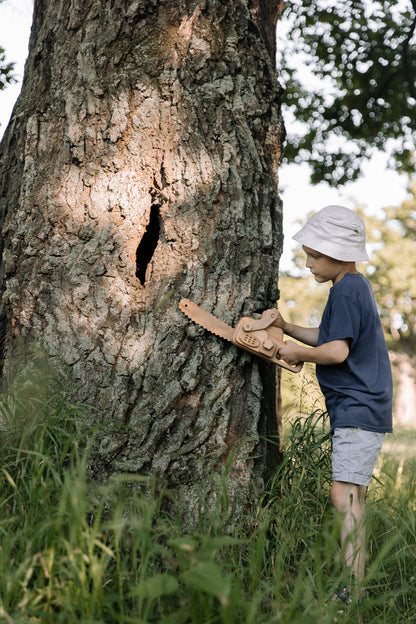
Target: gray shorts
(354,454)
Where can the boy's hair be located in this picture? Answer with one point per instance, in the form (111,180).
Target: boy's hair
(337,232)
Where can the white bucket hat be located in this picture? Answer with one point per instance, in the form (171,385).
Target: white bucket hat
(337,232)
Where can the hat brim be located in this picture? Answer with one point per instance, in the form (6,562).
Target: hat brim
(328,248)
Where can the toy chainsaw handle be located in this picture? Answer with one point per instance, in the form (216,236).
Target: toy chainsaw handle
(267,318)
(266,322)
(294,368)
(263,342)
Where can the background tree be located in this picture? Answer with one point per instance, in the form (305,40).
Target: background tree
(392,271)
(349,69)
(139,167)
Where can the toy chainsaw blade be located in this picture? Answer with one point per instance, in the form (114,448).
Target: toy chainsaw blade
(258,336)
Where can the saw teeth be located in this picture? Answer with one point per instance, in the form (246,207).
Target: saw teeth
(205,319)
(211,331)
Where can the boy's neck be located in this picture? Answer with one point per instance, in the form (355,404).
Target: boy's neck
(346,267)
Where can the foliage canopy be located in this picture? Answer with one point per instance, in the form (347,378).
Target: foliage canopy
(356,83)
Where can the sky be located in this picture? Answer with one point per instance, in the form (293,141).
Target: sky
(378,187)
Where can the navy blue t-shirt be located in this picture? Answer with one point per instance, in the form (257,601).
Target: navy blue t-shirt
(358,392)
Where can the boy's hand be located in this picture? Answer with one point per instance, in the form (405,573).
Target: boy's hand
(289,353)
(280,321)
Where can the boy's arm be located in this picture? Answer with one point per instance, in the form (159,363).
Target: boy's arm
(307,335)
(333,352)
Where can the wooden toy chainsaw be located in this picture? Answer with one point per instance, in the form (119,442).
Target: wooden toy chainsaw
(258,336)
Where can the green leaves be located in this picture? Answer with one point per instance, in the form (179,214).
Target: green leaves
(156,587)
(349,68)
(6,69)
(207,577)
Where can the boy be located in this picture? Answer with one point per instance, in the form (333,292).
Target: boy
(352,367)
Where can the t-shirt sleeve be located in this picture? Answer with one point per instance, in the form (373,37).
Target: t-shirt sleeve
(341,320)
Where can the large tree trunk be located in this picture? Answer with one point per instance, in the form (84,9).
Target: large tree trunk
(139,167)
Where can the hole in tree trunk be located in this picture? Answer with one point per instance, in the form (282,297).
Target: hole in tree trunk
(147,245)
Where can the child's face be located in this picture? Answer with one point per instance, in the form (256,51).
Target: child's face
(324,268)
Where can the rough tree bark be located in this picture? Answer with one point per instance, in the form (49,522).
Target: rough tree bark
(139,167)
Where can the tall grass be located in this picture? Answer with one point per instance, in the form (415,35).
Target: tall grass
(73,551)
